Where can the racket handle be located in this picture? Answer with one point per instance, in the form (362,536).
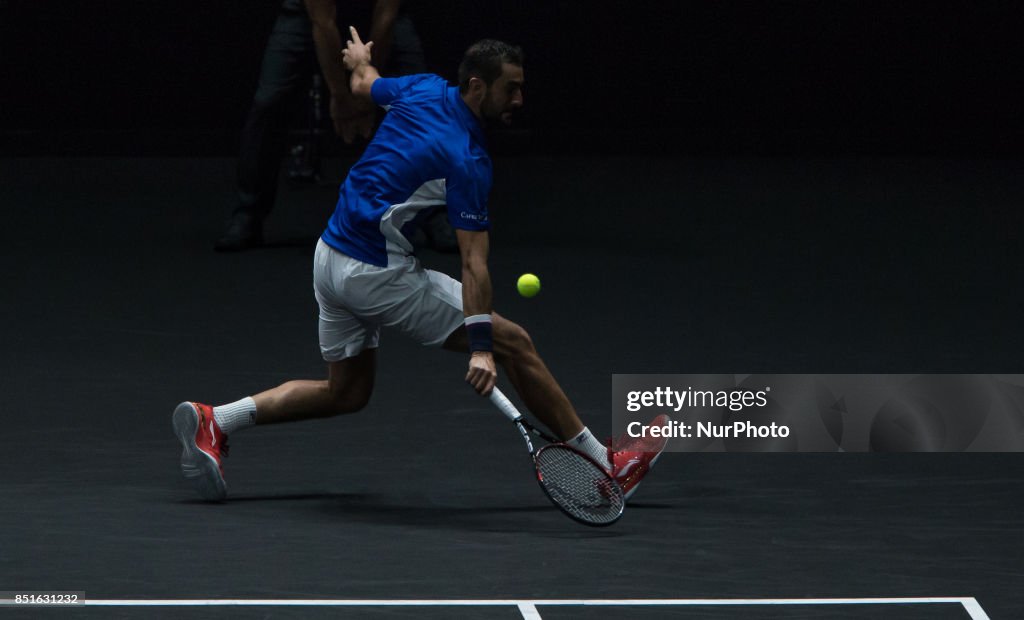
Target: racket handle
(505,405)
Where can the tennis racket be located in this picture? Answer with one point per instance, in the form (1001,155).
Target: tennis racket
(573,481)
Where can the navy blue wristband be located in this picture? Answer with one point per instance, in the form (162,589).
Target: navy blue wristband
(478,328)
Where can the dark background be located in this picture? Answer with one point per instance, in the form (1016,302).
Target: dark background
(696,77)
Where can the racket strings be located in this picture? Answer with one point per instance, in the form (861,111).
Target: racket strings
(578,485)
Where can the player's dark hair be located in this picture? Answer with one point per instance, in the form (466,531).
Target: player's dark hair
(484,60)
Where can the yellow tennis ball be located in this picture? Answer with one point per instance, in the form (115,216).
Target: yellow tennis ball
(528,285)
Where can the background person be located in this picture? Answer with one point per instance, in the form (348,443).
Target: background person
(305,39)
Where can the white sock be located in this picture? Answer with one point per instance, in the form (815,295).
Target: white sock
(586,443)
(235,416)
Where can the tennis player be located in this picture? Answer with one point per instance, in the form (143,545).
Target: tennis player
(428,151)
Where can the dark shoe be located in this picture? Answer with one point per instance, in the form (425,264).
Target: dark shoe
(441,234)
(244,231)
(419,239)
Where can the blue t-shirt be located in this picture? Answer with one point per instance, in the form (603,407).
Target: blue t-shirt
(429,151)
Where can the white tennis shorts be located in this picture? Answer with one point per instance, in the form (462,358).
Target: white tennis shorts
(357,298)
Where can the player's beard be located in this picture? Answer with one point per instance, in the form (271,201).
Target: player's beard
(499,119)
(495,116)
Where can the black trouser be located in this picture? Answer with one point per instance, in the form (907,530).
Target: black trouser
(289,62)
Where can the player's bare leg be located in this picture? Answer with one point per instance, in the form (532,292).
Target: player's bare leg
(203,430)
(346,390)
(515,352)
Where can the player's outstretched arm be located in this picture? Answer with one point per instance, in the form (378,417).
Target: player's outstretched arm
(476,302)
(357,57)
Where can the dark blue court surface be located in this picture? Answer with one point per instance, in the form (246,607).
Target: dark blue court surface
(115,309)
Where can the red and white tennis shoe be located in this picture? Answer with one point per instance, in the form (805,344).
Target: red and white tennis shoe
(203,446)
(633,457)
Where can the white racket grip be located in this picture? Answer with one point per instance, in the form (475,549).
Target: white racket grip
(505,405)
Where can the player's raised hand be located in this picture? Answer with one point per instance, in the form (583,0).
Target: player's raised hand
(356,53)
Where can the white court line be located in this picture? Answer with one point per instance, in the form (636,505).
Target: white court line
(528,607)
(973,607)
(529,611)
